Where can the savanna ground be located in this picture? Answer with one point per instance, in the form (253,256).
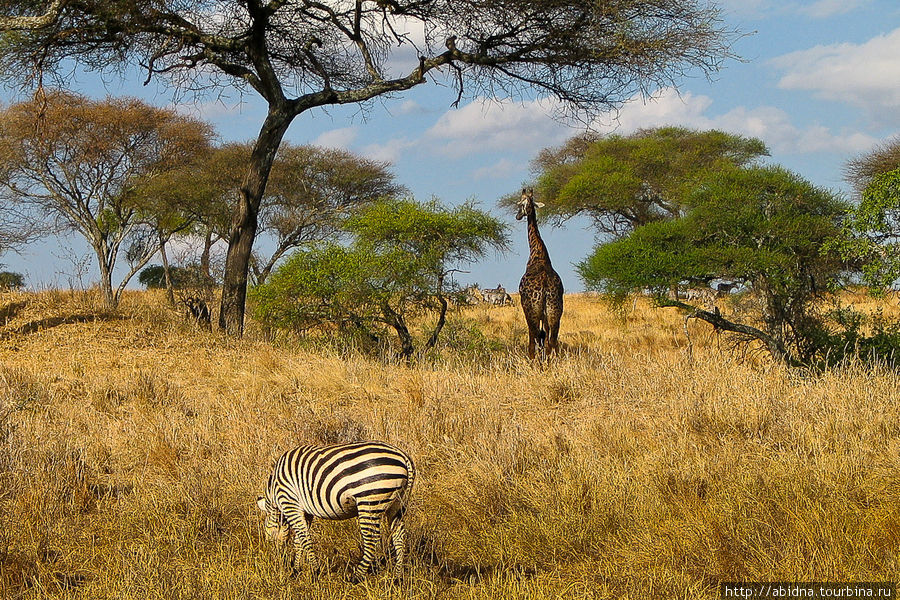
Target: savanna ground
(132,449)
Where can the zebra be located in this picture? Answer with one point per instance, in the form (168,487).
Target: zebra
(496,296)
(340,481)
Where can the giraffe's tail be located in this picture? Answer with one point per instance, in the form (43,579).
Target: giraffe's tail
(541,336)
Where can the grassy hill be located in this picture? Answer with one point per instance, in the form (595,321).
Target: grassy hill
(637,465)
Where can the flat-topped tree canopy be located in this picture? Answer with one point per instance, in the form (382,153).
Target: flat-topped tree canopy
(587,53)
(299,54)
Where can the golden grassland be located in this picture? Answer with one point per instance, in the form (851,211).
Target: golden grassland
(133,446)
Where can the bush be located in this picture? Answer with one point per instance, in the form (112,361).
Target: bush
(11,281)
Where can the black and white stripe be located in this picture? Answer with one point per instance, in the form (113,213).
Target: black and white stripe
(370,480)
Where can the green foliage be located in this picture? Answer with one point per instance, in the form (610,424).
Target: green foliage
(154,276)
(750,225)
(872,229)
(428,230)
(396,267)
(11,281)
(766,228)
(871,339)
(624,182)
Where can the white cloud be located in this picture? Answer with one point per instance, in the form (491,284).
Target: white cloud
(667,107)
(490,125)
(822,9)
(768,123)
(483,126)
(339,139)
(501,169)
(411,107)
(214,109)
(818,9)
(389,151)
(403,58)
(864,75)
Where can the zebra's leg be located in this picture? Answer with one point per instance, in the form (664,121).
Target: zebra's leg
(370,532)
(300,522)
(398,542)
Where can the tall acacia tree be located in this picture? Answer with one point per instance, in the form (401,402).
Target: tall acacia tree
(766,228)
(303,54)
(624,182)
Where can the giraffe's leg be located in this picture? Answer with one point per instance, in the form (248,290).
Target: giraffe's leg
(533,336)
(553,334)
(300,522)
(554,315)
(370,532)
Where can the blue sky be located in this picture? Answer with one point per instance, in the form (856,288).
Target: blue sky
(818,82)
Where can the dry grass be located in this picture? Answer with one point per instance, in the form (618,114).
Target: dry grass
(132,451)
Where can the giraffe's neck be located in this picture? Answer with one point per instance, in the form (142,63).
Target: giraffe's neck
(538,251)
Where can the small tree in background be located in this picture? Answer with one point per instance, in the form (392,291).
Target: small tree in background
(81,162)
(11,281)
(397,267)
(862,170)
(624,182)
(766,228)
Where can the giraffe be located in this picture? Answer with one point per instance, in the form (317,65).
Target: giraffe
(541,289)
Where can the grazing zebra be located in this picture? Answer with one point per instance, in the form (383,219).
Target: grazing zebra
(341,481)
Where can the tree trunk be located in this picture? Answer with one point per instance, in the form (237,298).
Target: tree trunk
(395,320)
(110,298)
(170,292)
(245,220)
(204,257)
(442,318)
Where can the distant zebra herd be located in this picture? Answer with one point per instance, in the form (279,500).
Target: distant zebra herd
(496,296)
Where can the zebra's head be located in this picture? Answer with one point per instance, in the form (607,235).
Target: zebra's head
(527,204)
(276,526)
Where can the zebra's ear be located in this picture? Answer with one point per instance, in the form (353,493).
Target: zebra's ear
(261,503)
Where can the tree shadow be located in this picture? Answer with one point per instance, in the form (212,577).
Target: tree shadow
(50,322)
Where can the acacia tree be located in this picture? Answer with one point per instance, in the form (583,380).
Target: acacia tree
(766,228)
(299,55)
(624,182)
(81,163)
(311,192)
(863,169)
(397,266)
(179,201)
(872,231)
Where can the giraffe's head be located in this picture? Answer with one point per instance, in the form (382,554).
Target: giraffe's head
(527,204)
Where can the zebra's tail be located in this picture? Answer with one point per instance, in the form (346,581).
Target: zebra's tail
(398,507)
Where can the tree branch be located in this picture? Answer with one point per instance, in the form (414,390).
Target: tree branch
(36,22)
